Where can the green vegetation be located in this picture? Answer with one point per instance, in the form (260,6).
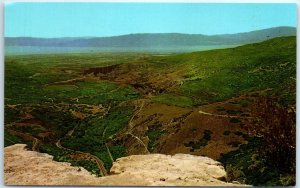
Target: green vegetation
(276,125)
(234,120)
(117,151)
(200,143)
(27,77)
(89,135)
(222,74)
(220,108)
(10,139)
(154,133)
(116,120)
(50,88)
(11,114)
(90,92)
(243,102)
(234,112)
(32,129)
(248,166)
(56,120)
(238,133)
(63,156)
(269,158)
(176,100)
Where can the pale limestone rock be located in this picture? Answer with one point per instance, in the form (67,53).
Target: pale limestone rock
(22,167)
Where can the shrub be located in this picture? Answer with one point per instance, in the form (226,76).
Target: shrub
(276,125)
(234,120)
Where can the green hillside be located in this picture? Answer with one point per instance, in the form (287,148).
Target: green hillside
(217,75)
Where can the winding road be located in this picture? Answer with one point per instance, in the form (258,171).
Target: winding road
(106,145)
(130,125)
(99,163)
(140,141)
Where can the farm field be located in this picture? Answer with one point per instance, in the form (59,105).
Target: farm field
(90,109)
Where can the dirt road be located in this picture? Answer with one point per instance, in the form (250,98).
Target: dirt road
(225,116)
(107,148)
(130,125)
(99,163)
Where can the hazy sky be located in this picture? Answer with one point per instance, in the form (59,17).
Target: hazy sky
(109,19)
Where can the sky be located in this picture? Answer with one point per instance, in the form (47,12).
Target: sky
(52,20)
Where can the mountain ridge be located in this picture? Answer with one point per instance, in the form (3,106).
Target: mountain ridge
(154,39)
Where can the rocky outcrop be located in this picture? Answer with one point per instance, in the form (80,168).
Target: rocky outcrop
(179,169)
(23,167)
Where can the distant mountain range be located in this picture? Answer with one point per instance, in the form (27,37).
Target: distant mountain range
(152,41)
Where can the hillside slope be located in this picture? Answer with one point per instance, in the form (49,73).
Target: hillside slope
(217,75)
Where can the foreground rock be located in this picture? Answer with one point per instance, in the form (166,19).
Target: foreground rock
(22,167)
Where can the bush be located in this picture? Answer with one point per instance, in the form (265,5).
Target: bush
(234,120)
(247,166)
(276,125)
